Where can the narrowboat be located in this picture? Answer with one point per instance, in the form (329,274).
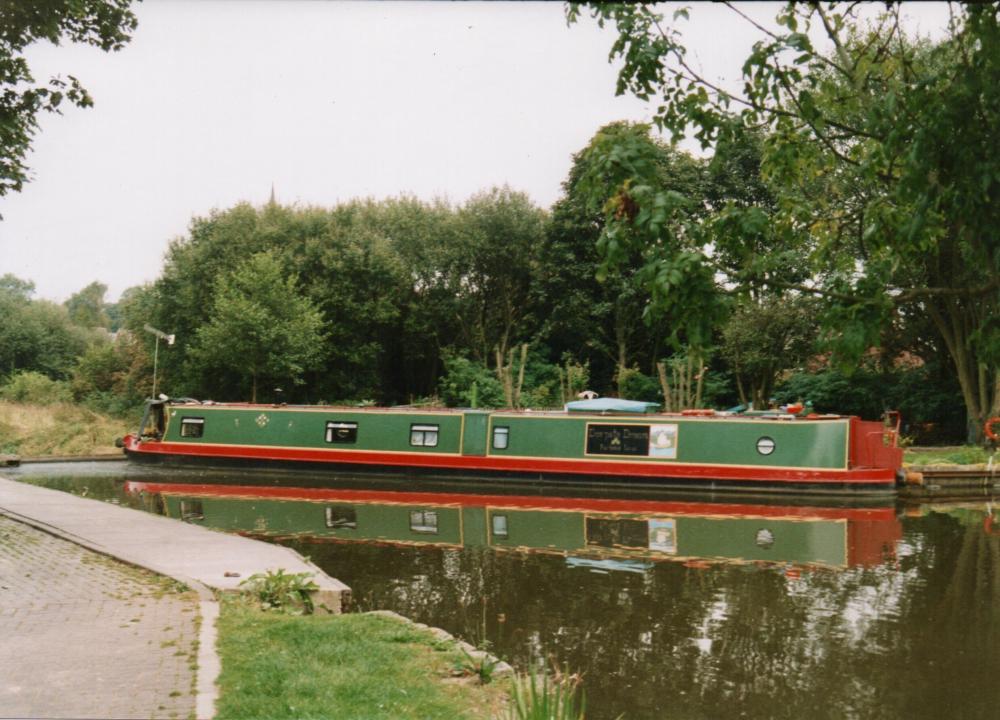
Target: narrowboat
(605,441)
(610,533)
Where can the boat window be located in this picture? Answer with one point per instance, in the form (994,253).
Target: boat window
(192,510)
(617,532)
(424,435)
(501,436)
(192,427)
(500,526)
(341,516)
(617,439)
(765,446)
(341,432)
(424,521)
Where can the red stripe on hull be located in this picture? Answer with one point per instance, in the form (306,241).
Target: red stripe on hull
(854,476)
(524,502)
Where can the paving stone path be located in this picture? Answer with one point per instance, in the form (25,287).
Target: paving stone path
(84,636)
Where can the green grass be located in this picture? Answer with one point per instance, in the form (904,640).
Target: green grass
(338,666)
(962,455)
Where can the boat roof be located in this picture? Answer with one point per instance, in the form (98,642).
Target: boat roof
(598,406)
(614,405)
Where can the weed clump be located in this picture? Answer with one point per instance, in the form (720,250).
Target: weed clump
(276,590)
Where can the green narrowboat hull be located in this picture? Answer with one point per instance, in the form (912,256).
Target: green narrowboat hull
(818,452)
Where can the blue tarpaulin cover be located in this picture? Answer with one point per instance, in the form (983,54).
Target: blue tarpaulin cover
(611,405)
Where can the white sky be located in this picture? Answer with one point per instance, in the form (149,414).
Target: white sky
(212,102)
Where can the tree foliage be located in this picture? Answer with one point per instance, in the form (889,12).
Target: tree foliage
(86,308)
(880,152)
(399,284)
(261,327)
(598,308)
(36,335)
(493,267)
(106,24)
(762,339)
(650,206)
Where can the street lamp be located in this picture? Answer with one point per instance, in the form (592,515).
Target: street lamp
(156,352)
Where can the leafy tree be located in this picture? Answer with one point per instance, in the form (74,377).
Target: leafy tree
(86,307)
(374,269)
(261,327)
(493,268)
(882,151)
(113,377)
(658,223)
(36,335)
(750,248)
(106,24)
(15,288)
(762,339)
(356,280)
(425,237)
(595,310)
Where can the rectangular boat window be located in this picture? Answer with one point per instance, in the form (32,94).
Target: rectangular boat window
(618,439)
(500,526)
(192,427)
(501,436)
(424,521)
(341,516)
(341,432)
(424,435)
(617,532)
(192,510)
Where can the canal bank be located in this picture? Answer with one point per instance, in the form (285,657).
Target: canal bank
(87,637)
(57,610)
(120,641)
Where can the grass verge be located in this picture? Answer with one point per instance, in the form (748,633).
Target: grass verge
(60,429)
(345,666)
(960,455)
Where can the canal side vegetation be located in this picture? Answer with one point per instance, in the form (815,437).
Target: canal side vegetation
(38,418)
(280,660)
(276,665)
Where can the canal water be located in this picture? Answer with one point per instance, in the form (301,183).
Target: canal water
(670,606)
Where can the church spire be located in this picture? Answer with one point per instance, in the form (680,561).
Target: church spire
(272,202)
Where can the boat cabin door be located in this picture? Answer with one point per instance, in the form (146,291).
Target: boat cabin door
(153,421)
(474,424)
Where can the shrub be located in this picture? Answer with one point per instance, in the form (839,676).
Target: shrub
(634,385)
(469,384)
(35,388)
(932,410)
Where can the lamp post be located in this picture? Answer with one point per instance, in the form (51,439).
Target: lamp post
(156,351)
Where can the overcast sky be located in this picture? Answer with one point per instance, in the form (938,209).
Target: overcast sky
(213,102)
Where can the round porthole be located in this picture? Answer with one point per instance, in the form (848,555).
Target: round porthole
(764,539)
(765,446)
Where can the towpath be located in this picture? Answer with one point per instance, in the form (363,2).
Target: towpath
(185,552)
(87,637)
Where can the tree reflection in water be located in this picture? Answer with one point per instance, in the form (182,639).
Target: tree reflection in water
(915,636)
(907,627)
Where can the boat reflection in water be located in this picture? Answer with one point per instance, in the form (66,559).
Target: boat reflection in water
(599,533)
(669,606)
